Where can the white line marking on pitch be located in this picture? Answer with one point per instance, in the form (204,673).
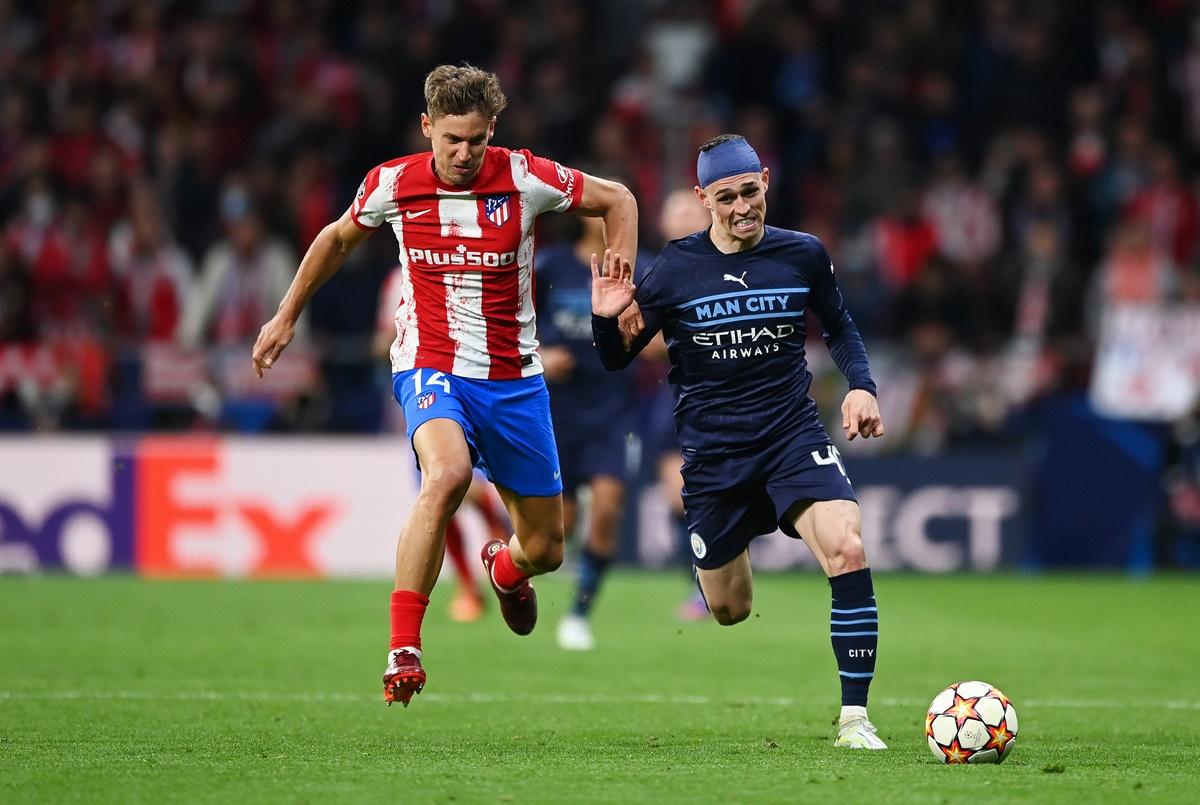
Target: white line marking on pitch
(542,698)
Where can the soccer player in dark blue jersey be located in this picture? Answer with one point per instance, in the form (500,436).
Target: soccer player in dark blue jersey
(732,303)
(591,416)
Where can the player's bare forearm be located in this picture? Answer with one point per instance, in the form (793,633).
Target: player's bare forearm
(621,225)
(620,235)
(613,202)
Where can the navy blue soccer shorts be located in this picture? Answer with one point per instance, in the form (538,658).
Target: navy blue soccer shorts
(729,501)
(506,422)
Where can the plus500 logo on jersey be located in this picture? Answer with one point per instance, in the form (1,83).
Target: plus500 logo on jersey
(462,256)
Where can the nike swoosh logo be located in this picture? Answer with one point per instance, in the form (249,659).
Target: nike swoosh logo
(556,475)
(417,214)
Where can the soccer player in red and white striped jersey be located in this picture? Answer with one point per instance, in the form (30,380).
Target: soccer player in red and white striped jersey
(465,362)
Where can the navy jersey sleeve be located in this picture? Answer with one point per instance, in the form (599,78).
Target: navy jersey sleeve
(606,334)
(841,333)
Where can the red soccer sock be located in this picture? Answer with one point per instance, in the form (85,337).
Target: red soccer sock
(505,573)
(457,554)
(408,610)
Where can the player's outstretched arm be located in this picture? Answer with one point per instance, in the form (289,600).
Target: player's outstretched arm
(616,205)
(860,415)
(324,257)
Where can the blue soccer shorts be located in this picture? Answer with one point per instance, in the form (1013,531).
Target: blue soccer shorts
(730,501)
(506,422)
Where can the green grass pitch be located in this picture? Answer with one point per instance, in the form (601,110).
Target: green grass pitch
(123,690)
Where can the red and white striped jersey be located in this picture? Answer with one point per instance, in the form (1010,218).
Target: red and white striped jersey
(466,258)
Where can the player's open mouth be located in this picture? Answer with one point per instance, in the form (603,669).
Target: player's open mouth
(745,224)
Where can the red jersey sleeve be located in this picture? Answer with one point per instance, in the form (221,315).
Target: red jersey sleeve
(367,208)
(557,189)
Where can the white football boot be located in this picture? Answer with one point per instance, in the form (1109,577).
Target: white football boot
(575,633)
(855,730)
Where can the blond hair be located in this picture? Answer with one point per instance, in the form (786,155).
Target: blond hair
(451,90)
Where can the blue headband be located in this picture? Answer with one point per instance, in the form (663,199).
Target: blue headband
(730,158)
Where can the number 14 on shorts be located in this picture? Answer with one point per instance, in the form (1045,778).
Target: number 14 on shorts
(435,379)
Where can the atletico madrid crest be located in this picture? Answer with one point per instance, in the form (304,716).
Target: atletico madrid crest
(496,209)
(425,400)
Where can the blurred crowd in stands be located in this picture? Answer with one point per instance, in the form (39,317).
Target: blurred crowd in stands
(988,177)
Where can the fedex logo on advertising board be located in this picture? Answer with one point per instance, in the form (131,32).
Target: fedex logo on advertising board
(187,507)
(65,505)
(199,514)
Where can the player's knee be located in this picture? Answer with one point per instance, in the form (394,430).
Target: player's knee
(444,485)
(727,614)
(553,557)
(544,551)
(847,555)
(546,557)
(730,610)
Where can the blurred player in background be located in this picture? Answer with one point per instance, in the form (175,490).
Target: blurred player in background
(681,215)
(731,303)
(592,418)
(465,351)
(467,604)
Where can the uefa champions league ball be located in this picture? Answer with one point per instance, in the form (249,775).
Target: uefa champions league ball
(971,722)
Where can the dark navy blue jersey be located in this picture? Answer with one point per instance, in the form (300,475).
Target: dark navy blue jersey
(735,326)
(563,299)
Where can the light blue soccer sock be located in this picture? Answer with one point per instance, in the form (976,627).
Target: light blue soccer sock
(854,630)
(592,567)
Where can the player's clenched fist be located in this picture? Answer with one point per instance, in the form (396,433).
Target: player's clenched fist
(274,336)
(612,284)
(860,415)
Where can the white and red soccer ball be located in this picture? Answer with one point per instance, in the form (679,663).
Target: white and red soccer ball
(971,722)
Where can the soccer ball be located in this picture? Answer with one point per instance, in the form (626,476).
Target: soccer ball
(971,722)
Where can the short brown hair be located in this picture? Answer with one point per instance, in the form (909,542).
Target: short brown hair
(720,139)
(451,90)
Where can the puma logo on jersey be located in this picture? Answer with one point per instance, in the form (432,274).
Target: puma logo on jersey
(741,280)
(415,213)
